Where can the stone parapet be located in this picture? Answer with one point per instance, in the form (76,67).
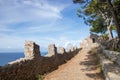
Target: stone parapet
(33,64)
(113,56)
(31,50)
(52,50)
(61,50)
(110,70)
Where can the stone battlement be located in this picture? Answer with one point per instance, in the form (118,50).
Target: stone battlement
(31,49)
(34,64)
(109,60)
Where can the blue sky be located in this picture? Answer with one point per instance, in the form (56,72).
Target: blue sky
(42,21)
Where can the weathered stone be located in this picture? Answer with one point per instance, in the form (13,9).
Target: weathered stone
(113,56)
(52,50)
(61,50)
(110,70)
(32,64)
(86,43)
(75,47)
(69,50)
(72,49)
(94,38)
(31,50)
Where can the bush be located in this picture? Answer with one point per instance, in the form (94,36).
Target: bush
(39,77)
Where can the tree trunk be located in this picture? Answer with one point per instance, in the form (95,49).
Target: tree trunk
(110,34)
(114,15)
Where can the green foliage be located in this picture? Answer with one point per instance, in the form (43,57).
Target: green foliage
(104,36)
(98,15)
(113,27)
(98,26)
(39,77)
(94,14)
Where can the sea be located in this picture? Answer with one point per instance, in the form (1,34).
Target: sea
(11,56)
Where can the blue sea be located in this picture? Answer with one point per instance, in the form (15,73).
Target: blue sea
(8,57)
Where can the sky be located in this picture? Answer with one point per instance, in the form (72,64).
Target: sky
(42,21)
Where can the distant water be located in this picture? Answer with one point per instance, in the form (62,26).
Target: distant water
(8,57)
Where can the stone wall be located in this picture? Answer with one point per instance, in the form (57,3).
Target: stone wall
(87,44)
(33,64)
(113,56)
(113,44)
(109,60)
(61,50)
(110,70)
(52,50)
(94,38)
(31,50)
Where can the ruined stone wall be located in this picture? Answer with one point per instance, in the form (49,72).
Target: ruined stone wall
(87,43)
(31,50)
(113,56)
(112,44)
(33,64)
(110,63)
(109,60)
(61,50)
(52,50)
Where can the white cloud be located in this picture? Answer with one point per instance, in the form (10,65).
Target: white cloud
(35,20)
(64,42)
(12,42)
(6,30)
(9,47)
(40,14)
(28,10)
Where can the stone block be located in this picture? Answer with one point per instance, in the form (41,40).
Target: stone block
(52,50)
(31,50)
(61,50)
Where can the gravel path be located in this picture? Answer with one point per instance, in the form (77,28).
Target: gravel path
(84,66)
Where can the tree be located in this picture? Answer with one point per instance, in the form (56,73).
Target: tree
(98,26)
(100,8)
(114,15)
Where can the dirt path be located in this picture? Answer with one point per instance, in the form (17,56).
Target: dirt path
(84,66)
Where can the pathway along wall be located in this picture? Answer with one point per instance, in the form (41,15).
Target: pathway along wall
(33,64)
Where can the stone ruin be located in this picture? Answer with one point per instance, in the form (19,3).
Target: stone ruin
(73,48)
(110,44)
(52,50)
(61,50)
(34,64)
(31,50)
(94,37)
(86,42)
